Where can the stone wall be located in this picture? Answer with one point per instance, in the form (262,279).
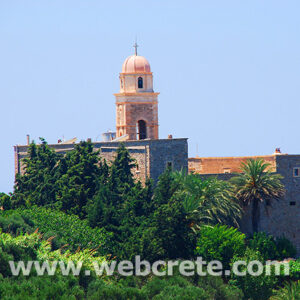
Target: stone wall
(219,165)
(281,218)
(152,156)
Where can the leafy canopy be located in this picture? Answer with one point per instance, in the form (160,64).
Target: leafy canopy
(257,184)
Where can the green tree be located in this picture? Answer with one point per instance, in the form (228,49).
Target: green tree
(121,204)
(220,243)
(166,233)
(37,185)
(107,205)
(207,200)
(257,184)
(5,201)
(121,178)
(80,172)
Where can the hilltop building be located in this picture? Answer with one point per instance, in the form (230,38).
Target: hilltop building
(138,128)
(281,218)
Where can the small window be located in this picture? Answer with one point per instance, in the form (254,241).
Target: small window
(226,170)
(141,130)
(296,172)
(169,165)
(140,82)
(137,171)
(292,203)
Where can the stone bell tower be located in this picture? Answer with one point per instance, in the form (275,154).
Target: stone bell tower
(136,104)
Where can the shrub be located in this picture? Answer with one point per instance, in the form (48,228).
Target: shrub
(16,224)
(32,247)
(271,248)
(182,293)
(101,290)
(265,244)
(254,287)
(5,201)
(67,229)
(291,290)
(36,288)
(295,269)
(285,248)
(220,243)
(180,287)
(220,290)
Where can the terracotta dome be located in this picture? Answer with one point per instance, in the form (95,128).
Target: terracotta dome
(136,64)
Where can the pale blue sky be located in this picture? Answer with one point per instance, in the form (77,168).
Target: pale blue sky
(228,71)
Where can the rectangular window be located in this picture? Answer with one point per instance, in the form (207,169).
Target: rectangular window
(170,165)
(292,203)
(296,172)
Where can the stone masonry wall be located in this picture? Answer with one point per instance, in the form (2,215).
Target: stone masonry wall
(152,156)
(219,165)
(281,218)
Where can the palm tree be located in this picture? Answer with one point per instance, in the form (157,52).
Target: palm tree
(257,184)
(207,201)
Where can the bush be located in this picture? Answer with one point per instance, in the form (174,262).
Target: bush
(182,293)
(179,287)
(295,269)
(36,288)
(220,243)
(291,290)
(5,201)
(218,289)
(101,290)
(254,287)
(31,247)
(271,248)
(67,229)
(265,244)
(285,248)
(16,224)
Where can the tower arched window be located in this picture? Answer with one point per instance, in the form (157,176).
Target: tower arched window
(141,130)
(140,82)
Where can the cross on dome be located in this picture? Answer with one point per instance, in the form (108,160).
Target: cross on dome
(135,46)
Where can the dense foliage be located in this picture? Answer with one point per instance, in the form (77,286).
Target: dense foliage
(79,207)
(256,186)
(32,247)
(220,243)
(5,201)
(142,220)
(271,248)
(63,229)
(254,287)
(290,291)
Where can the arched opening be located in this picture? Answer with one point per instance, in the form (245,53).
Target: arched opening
(141,130)
(140,82)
